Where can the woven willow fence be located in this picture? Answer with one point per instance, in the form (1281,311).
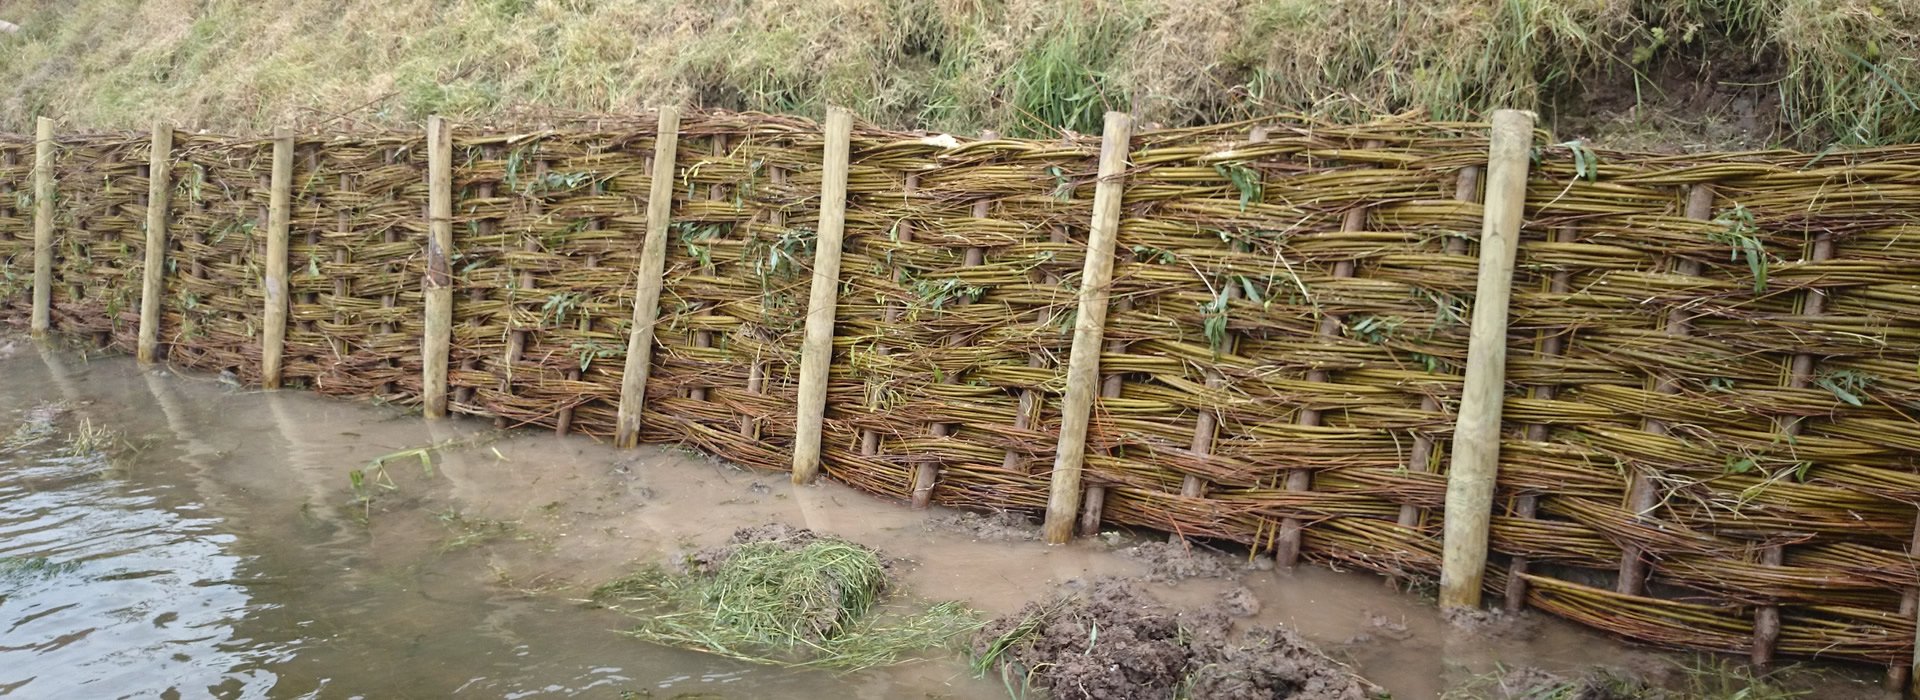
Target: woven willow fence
(1711,385)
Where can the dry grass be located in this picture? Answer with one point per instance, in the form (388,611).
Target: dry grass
(1841,69)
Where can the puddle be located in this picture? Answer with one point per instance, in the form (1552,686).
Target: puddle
(225,554)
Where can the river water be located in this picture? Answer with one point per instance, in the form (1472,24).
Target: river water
(214,545)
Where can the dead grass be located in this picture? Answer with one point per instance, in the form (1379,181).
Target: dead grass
(1845,70)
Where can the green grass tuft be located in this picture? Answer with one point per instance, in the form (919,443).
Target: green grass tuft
(815,604)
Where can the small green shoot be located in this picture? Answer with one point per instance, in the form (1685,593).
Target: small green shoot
(1739,232)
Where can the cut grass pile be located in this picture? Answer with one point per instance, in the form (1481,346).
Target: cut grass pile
(1831,70)
(787,597)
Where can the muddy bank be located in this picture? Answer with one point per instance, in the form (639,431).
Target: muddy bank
(473,569)
(1111,639)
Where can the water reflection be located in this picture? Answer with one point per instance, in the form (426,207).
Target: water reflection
(149,606)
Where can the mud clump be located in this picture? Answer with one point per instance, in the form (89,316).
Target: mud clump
(1239,601)
(997,526)
(711,559)
(1493,624)
(1168,562)
(1112,641)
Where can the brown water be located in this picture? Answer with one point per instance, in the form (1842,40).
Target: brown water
(225,555)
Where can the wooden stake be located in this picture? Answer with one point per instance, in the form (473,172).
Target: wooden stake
(1089,329)
(653,268)
(1766,618)
(1291,536)
(42,227)
(153,277)
(1642,494)
(1553,344)
(1476,435)
(816,351)
(438,283)
(274,341)
(1905,678)
(1206,424)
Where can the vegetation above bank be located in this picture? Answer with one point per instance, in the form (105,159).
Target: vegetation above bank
(1722,73)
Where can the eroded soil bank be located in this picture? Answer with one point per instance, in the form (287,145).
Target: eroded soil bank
(466,578)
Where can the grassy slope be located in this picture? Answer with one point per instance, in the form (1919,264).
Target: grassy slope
(1826,70)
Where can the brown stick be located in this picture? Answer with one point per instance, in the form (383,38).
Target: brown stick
(483,229)
(926,474)
(891,312)
(1766,618)
(1466,188)
(1527,506)
(816,352)
(153,278)
(1030,398)
(42,227)
(652,276)
(438,283)
(1641,494)
(279,190)
(1291,536)
(757,370)
(1206,425)
(1476,434)
(704,338)
(1083,364)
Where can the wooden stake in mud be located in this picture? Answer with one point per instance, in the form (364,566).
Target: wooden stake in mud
(816,350)
(42,227)
(1476,434)
(153,277)
(438,284)
(1089,329)
(653,269)
(274,337)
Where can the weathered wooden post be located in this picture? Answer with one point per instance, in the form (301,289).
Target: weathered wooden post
(438,284)
(1089,329)
(816,351)
(653,267)
(1476,434)
(274,335)
(153,278)
(42,228)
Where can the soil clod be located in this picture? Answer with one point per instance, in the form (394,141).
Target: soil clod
(1111,640)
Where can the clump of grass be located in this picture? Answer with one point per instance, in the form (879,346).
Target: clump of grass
(1703,679)
(90,439)
(804,601)
(1714,678)
(18,568)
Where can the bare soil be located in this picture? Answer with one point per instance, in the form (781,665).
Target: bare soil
(1112,640)
(994,526)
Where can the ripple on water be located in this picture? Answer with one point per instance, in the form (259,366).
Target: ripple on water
(137,601)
